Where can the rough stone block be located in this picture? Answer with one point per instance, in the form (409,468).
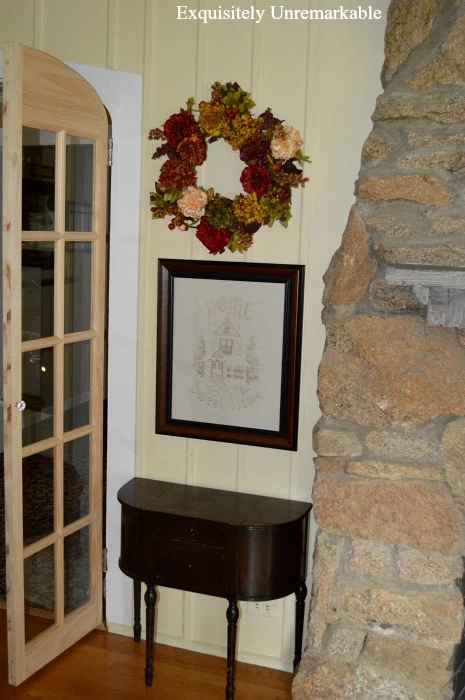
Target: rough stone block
(368,686)
(304,668)
(329,465)
(424,189)
(408,25)
(387,297)
(434,616)
(399,445)
(411,512)
(445,255)
(445,225)
(443,108)
(449,66)
(378,370)
(336,442)
(452,161)
(453,450)
(390,226)
(375,148)
(370,557)
(350,389)
(346,642)
(398,220)
(433,568)
(324,682)
(408,661)
(437,138)
(351,267)
(326,562)
(386,470)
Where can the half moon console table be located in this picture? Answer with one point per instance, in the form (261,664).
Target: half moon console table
(233,545)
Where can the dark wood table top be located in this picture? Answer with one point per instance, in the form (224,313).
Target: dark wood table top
(228,507)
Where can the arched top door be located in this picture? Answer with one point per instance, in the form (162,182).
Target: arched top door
(55,141)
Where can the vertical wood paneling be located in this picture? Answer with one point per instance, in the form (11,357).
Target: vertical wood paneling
(269,472)
(164,39)
(170,613)
(283,88)
(217,465)
(17,21)
(129,35)
(167,460)
(38,24)
(112,33)
(233,42)
(146,289)
(76,31)
(289,66)
(301,478)
(209,619)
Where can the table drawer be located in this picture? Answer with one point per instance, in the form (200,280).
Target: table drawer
(190,567)
(215,535)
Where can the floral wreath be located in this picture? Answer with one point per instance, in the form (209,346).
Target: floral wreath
(269,149)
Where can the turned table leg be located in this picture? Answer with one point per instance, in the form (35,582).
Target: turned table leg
(150,600)
(137,596)
(300,594)
(232,615)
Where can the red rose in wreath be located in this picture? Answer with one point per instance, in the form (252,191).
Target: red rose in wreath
(255,178)
(215,239)
(178,127)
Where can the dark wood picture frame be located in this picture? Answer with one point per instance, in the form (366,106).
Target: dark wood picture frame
(292,279)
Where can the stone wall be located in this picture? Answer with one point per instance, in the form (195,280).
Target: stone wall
(389,497)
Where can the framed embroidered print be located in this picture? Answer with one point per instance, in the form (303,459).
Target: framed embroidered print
(228,351)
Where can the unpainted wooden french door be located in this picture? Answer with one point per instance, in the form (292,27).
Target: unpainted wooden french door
(55,132)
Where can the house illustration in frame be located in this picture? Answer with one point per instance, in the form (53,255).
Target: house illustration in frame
(227,353)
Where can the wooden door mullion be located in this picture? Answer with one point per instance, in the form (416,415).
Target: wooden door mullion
(59,331)
(53,538)
(59,553)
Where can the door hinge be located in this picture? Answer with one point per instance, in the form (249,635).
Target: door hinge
(110,152)
(104,560)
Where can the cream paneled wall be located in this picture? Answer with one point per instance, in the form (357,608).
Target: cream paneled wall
(105,33)
(323,78)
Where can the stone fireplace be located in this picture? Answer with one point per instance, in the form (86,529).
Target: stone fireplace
(386,613)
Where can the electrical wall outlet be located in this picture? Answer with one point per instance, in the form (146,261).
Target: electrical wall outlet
(265,608)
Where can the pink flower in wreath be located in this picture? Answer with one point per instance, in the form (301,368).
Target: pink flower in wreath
(285,143)
(192,202)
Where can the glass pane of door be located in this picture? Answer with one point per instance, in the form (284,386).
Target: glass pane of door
(77,385)
(39,153)
(38,496)
(76,478)
(38,260)
(38,395)
(77,570)
(78,285)
(39,592)
(79,183)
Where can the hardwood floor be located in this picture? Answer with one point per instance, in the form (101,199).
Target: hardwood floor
(108,666)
